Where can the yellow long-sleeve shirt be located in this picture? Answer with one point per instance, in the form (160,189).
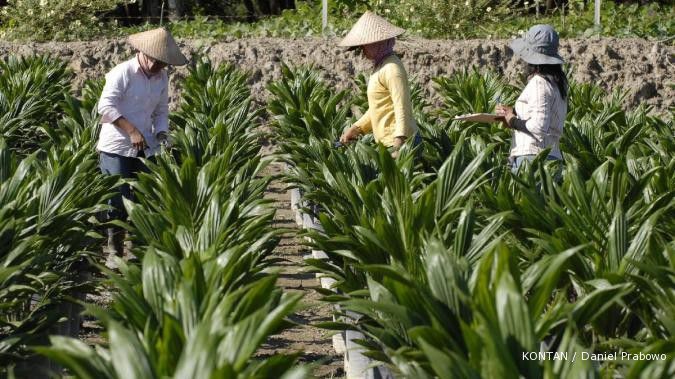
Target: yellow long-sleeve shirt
(389,112)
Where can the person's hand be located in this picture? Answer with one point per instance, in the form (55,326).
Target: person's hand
(350,135)
(137,139)
(398,142)
(507,114)
(163,139)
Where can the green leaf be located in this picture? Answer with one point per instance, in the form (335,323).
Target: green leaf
(79,358)
(128,356)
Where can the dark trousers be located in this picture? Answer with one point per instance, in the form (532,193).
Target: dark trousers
(127,168)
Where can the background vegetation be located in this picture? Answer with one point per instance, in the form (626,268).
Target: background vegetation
(87,19)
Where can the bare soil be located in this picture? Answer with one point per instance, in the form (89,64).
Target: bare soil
(314,344)
(643,68)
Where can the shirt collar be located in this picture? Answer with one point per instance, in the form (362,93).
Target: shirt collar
(135,65)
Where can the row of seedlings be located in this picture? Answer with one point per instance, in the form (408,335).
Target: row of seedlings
(202,299)
(459,267)
(308,119)
(51,193)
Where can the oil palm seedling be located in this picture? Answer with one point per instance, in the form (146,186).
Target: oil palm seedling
(182,318)
(303,107)
(31,89)
(48,206)
(211,91)
(50,199)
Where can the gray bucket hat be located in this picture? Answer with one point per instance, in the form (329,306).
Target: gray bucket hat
(538,46)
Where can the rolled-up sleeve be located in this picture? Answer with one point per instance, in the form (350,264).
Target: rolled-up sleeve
(111,97)
(538,104)
(397,83)
(364,123)
(160,116)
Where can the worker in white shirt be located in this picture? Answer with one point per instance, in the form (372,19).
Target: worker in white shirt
(134,109)
(539,113)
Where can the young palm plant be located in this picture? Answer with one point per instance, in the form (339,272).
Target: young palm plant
(47,234)
(50,199)
(31,89)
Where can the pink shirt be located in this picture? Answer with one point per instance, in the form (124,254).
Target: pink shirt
(142,101)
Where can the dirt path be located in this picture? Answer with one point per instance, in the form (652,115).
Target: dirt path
(314,344)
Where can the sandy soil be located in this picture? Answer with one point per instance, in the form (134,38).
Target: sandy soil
(645,69)
(315,345)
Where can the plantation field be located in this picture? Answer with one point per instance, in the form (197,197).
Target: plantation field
(450,265)
(457,267)
(202,230)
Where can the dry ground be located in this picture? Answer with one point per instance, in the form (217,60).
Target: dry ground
(644,68)
(315,345)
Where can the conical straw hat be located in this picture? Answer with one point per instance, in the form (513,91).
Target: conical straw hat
(370,28)
(158,44)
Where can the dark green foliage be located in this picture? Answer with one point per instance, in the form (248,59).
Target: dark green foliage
(31,91)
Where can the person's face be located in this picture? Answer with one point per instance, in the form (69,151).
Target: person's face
(151,65)
(369,51)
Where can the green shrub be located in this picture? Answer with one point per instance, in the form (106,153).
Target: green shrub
(440,18)
(455,19)
(31,90)
(54,19)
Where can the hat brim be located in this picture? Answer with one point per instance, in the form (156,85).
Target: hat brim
(523,50)
(154,58)
(370,28)
(171,56)
(351,41)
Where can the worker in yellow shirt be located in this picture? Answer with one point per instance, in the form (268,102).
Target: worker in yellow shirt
(389,116)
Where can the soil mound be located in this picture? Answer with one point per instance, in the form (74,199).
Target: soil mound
(645,69)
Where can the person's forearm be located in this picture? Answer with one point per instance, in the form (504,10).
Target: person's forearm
(125,125)
(515,123)
(399,141)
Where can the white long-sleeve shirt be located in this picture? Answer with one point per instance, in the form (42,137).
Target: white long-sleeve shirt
(142,101)
(541,113)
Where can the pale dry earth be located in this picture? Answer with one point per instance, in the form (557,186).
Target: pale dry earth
(644,68)
(314,344)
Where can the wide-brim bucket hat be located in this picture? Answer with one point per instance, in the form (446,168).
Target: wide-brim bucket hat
(370,28)
(160,45)
(538,46)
